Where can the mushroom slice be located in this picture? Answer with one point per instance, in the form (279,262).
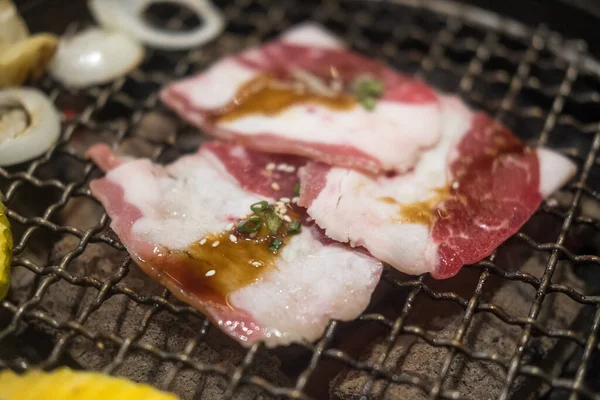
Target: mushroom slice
(27,58)
(29,125)
(126,16)
(12,26)
(94,56)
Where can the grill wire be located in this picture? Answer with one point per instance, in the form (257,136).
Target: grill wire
(538,83)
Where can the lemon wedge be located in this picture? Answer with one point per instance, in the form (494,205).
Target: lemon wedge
(5,251)
(66,384)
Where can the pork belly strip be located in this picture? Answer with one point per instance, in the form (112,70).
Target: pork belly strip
(405,120)
(466,196)
(162,213)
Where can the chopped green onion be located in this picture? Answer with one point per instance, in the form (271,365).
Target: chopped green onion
(293,228)
(369,103)
(274,247)
(366,86)
(250,225)
(260,206)
(367,90)
(273,222)
(297,189)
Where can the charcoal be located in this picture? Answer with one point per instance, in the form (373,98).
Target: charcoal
(472,379)
(118,315)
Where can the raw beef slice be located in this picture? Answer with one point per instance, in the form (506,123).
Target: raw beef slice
(464,197)
(292,96)
(182,225)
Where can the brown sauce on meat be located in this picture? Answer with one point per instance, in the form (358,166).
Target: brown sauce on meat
(420,212)
(212,273)
(267,95)
(501,146)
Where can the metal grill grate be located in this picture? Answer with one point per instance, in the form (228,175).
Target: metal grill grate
(77,300)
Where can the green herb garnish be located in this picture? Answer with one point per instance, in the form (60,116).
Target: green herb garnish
(293,228)
(273,222)
(369,103)
(260,206)
(274,247)
(367,90)
(297,189)
(252,224)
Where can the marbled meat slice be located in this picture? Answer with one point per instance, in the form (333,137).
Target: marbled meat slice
(466,196)
(293,95)
(183,222)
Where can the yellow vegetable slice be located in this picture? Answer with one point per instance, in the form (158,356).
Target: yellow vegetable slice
(26,59)
(65,384)
(12,25)
(6,245)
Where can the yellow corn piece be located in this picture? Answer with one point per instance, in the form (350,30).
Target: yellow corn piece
(6,245)
(65,384)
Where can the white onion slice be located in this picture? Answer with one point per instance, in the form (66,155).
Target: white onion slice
(29,125)
(126,16)
(94,56)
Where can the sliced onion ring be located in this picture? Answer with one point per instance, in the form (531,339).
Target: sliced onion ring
(95,56)
(29,125)
(126,16)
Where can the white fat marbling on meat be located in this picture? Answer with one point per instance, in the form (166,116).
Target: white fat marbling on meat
(418,123)
(313,284)
(554,170)
(391,136)
(350,208)
(310,34)
(183,202)
(219,84)
(195,196)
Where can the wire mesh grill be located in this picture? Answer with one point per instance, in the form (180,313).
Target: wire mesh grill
(521,324)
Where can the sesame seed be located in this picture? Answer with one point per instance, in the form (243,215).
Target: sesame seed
(215,244)
(233,238)
(279,204)
(282,210)
(295,200)
(287,218)
(275,186)
(210,273)
(285,199)
(253,235)
(282,167)
(455,185)
(203,242)
(270,167)
(256,263)
(291,169)
(230,226)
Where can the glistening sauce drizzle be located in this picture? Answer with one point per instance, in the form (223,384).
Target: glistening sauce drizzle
(212,273)
(420,212)
(466,170)
(268,95)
